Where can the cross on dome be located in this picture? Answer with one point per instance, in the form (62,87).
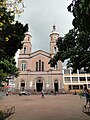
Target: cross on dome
(54,27)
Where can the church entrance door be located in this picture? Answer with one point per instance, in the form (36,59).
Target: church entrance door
(39,85)
(22,85)
(56,86)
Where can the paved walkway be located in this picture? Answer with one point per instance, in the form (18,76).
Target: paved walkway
(59,107)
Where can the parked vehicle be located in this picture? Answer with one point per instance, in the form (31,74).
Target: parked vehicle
(24,93)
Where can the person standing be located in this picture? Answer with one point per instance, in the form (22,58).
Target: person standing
(87,93)
(42,92)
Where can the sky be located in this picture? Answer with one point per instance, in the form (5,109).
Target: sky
(41,15)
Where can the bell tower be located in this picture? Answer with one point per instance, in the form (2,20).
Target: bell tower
(26,50)
(53,38)
(53,47)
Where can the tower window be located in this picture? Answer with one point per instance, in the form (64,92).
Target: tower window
(28,38)
(55,50)
(24,50)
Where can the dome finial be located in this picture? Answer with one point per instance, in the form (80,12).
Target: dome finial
(54,27)
(54,31)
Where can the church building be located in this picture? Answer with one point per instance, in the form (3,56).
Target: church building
(35,72)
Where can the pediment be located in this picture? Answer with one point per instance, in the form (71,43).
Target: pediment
(40,52)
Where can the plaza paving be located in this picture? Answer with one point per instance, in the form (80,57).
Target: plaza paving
(59,107)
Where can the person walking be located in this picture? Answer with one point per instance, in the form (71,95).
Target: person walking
(42,92)
(87,94)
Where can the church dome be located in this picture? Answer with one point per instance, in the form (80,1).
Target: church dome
(27,33)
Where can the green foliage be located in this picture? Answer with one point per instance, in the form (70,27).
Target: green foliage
(11,36)
(9,67)
(81,13)
(2,116)
(11,33)
(14,6)
(75,46)
(3,76)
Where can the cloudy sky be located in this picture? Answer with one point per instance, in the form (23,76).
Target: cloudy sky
(41,15)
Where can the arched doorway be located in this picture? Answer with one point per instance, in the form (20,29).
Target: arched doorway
(22,85)
(39,85)
(56,85)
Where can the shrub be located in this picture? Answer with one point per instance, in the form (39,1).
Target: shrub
(2,116)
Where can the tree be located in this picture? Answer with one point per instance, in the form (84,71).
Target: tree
(15,6)
(75,45)
(3,77)
(11,35)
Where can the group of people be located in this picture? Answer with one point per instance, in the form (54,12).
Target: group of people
(87,94)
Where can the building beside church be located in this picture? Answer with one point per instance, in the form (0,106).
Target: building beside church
(75,81)
(35,72)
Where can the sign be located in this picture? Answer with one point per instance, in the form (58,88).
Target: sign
(11,83)
(47,82)
(30,84)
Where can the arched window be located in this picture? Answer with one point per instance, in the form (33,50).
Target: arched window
(36,66)
(39,65)
(56,66)
(23,65)
(42,66)
(55,49)
(56,81)
(24,50)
